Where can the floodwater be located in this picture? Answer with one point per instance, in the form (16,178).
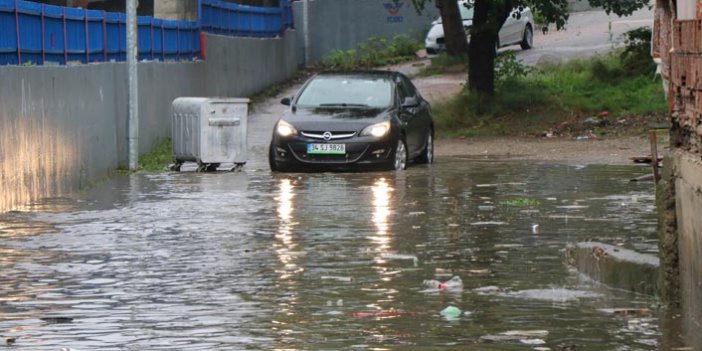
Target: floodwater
(330,261)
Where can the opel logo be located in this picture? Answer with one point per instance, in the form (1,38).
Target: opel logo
(327,136)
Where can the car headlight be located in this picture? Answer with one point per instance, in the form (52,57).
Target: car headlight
(285,129)
(377,130)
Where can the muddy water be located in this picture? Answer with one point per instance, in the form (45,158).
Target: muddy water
(250,260)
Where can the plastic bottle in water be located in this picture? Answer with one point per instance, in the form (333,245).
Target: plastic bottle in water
(434,284)
(454,283)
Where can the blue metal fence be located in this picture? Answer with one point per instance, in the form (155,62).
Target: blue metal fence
(227,18)
(33,33)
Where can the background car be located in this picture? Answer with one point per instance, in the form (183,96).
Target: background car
(517,29)
(344,120)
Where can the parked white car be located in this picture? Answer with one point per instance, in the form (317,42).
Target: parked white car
(517,29)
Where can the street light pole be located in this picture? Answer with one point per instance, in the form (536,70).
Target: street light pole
(132,60)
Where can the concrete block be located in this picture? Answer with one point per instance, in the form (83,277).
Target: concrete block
(615,266)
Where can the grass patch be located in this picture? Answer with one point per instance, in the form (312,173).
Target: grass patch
(375,51)
(158,158)
(444,63)
(533,101)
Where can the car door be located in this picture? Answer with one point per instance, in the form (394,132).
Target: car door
(419,119)
(409,115)
(509,33)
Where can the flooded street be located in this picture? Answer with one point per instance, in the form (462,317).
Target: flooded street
(254,260)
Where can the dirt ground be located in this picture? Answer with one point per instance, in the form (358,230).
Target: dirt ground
(610,151)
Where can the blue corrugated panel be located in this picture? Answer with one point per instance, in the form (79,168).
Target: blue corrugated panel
(8,33)
(53,34)
(30,32)
(96,36)
(170,40)
(113,21)
(144,38)
(193,41)
(123,37)
(75,34)
(157,39)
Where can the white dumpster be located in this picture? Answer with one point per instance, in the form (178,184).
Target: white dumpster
(209,131)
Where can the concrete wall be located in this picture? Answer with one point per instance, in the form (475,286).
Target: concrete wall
(180,10)
(342,24)
(688,194)
(579,5)
(62,127)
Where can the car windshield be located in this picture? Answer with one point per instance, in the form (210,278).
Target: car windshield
(466,13)
(345,91)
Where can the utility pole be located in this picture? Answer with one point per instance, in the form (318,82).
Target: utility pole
(132,60)
(306,29)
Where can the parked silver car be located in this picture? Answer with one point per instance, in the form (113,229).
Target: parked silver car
(517,29)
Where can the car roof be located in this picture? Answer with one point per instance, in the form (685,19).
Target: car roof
(360,73)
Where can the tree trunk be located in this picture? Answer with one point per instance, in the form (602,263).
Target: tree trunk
(488,18)
(454,34)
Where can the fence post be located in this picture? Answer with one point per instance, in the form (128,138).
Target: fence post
(87,37)
(17,27)
(43,37)
(151,28)
(104,36)
(163,42)
(65,37)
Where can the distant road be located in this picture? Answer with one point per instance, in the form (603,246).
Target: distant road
(587,33)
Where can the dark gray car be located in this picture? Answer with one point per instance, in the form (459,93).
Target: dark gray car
(353,120)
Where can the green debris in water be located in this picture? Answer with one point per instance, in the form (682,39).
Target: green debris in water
(521,202)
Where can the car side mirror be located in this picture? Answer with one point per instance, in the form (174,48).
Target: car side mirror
(410,101)
(286,101)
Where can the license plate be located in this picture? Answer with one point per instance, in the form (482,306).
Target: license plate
(326,149)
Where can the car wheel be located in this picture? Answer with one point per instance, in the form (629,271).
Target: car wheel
(399,161)
(427,155)
(271,158)
(528,40)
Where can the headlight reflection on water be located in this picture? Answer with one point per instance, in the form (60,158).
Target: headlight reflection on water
(382,194)
(286,245)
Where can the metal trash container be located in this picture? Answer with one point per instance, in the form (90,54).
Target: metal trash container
(209,131)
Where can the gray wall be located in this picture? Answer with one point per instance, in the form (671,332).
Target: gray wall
(63,127)
(688,192)
(342,24)
(579,5)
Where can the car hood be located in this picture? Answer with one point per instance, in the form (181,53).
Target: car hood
(335,119)
(437,28)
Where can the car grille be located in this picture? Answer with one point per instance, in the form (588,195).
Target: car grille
(325,135)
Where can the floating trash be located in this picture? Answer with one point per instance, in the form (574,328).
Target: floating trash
(487,289)
(455,283)
(489,223)
(389,256)
(557,295)
(384,314)
(626,311)
(451,312)
(508,246)
(479,271)
(527,333)
(535,228)
(417,213)
(337,278)
(532,341)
